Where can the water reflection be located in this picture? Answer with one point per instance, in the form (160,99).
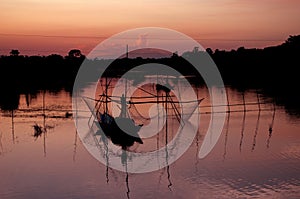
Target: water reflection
(1,146)
(244,120)
(271,127)
(256,131)
(12,126)
(38,131)
(226,135)
(9,99)
(254,105)
(75,146)
(270,170)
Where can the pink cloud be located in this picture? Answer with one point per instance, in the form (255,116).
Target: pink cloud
(142,41)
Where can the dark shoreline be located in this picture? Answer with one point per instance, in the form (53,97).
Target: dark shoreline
(272,70)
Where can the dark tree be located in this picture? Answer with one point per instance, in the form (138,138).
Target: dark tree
(241,49)
(293,39)
(14,52)
(75,53)
(175,54)
(209,51)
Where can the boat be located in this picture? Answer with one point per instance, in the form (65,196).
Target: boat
(119,136)
(123,130)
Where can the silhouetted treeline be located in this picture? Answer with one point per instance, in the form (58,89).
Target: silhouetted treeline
(274,67)
(31,74)
(274,70)
(39,72)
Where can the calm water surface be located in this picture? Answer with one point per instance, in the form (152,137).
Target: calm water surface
(249,160)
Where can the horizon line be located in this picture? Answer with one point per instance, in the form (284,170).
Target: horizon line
(106,37)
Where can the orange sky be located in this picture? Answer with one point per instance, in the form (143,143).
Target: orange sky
(56,26)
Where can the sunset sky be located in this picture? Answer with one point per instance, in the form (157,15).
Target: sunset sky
(56,26)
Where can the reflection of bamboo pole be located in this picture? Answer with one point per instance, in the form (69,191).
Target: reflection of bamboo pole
(44,124)
(127,177)
(12,126)
(258,101)
(75,147)
(105,141)
(243,124)
(271,126)
(197,135)
(227,126)
(228,104)
(256,132)
(44,115)
(76,125)
(197,149)
(257,124)
(244,102)
(169,177)
(242,131)
(45,153)
(127,184)
(106,173)
(226,136)
(1,146)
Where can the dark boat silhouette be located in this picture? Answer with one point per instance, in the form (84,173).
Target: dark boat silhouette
(121,130)
(111,128)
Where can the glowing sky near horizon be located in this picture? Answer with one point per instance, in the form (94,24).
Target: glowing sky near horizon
(29,25)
